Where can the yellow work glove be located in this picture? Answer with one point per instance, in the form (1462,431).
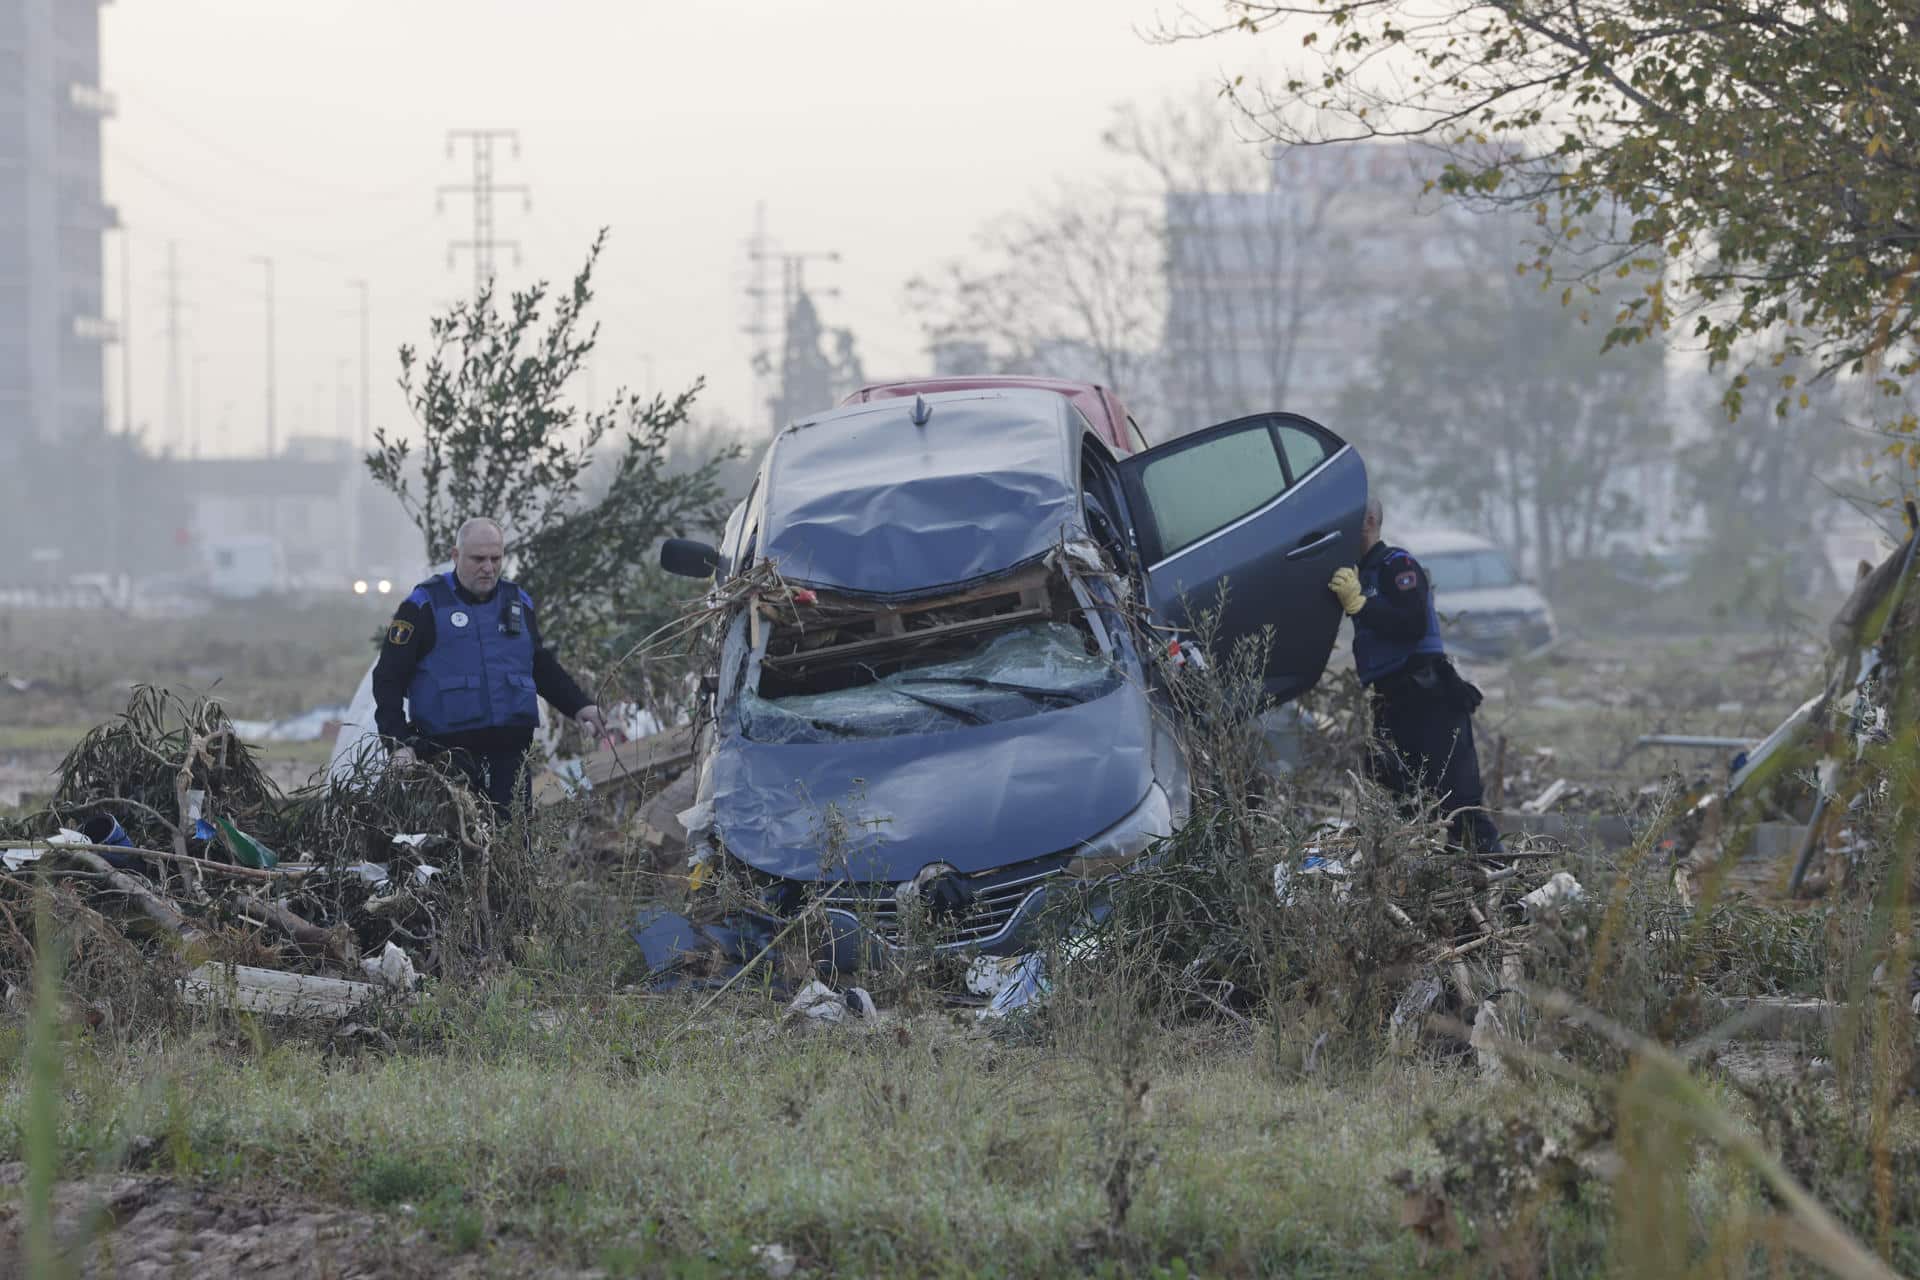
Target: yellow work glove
(1346,585)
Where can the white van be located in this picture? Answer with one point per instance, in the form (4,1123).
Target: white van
(1486,608)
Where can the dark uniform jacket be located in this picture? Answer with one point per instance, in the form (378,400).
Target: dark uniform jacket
(468,666)
(1397,628)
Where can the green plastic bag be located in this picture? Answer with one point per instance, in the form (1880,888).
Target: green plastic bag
(246,851)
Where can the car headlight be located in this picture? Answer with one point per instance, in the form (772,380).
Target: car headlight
(385,586)
(359,586)
(1122,843)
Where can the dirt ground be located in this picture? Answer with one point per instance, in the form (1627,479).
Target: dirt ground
(144,1227)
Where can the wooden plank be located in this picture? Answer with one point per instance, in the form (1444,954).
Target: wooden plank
(664,753)
(945,630)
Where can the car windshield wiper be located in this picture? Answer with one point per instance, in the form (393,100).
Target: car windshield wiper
(953,709)
(982,682)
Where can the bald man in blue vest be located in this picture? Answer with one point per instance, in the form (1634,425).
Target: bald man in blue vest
(1422,708)
(464,655)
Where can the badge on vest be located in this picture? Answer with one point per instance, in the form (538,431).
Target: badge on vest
(457,618)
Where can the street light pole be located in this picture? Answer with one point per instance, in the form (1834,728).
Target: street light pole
(272,437)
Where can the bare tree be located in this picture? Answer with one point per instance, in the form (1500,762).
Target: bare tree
(1070,288)
(1497,404)
(1185,277)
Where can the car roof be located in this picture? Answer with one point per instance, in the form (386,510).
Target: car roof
(1434,542)
(1090,398)
(862,499)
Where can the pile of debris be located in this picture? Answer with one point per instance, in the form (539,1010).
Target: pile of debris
(166,849)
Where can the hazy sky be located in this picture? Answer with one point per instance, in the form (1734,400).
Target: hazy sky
(888,130)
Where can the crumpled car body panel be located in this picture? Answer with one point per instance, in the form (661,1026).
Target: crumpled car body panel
(983,490)
(976,799)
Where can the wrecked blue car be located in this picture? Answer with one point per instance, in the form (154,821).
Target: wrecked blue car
(936,699)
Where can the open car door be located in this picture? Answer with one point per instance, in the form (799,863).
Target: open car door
(1268,507)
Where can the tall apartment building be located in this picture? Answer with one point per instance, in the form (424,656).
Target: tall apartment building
(52,216)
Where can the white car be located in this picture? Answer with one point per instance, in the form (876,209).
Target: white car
(1486,608)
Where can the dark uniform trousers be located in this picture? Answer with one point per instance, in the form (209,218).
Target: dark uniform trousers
(1423,740)
(498,773)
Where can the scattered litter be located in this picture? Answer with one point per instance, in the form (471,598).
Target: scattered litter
(818,1002)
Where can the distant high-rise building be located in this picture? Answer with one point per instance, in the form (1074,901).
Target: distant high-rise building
(52,314)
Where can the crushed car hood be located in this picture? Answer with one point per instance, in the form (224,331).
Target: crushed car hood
(864,500)
(978,797)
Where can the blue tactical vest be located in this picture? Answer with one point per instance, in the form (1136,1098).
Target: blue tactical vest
(1376,655)
(477,675)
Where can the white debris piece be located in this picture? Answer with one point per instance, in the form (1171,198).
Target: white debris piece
(1418,1000)
(1561,891)
(1488,1031)
(776,1261)
(394,967)
(1022,985)
(1312,865)
(818,1002)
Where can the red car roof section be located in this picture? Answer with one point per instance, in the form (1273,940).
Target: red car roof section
(1097,404)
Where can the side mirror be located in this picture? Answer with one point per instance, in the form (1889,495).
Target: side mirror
(688,558)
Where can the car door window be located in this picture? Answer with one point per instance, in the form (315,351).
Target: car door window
(1303,450)
(1208,485)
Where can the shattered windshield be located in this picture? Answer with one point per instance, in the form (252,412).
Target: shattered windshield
(1021,671)
(1466,570)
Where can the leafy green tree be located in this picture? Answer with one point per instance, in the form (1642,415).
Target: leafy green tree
(584,496)
(1496,403)
(1753,167)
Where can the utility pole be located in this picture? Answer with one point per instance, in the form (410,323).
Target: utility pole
(176,426)
(126,330)
(760,328)
(199,368)
(482,190)
(353,481)
(366,426)
(272,438)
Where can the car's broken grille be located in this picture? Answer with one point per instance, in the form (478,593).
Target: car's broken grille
(996,897)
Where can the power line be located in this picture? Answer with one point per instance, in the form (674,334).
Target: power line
(482,190)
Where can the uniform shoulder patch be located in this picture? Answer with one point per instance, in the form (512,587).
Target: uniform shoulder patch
(400,632)
(1406,580)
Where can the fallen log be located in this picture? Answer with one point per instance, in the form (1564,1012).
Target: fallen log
(255,990)
(149,903)
(335,944)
